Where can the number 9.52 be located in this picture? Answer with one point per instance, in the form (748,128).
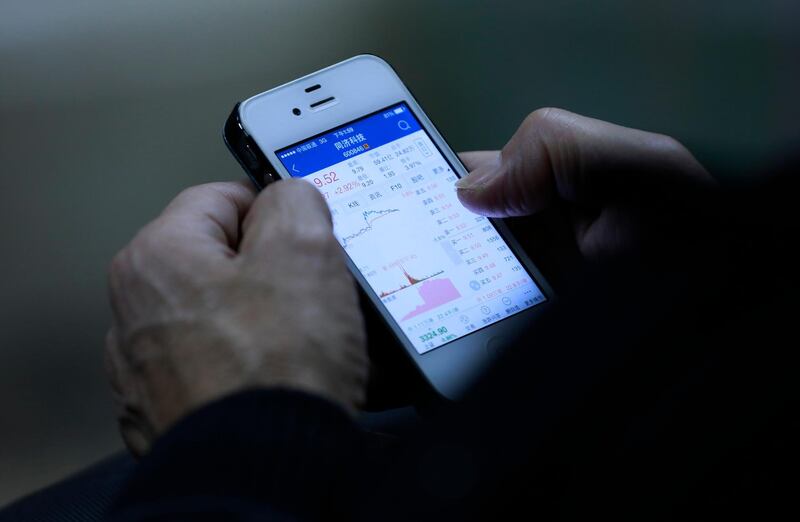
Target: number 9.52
(325,179)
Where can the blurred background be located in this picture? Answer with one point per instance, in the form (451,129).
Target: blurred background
(108,109)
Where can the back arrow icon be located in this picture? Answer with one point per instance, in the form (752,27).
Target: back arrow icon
(294,169)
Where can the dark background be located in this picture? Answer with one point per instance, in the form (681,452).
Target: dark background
(108,109)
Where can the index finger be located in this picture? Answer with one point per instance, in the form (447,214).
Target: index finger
(214,210)
(556,154)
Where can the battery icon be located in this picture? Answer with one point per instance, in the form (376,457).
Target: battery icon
(398,110)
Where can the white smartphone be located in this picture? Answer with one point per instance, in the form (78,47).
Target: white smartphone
(453,286)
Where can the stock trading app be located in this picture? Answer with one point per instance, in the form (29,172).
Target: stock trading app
(440,270)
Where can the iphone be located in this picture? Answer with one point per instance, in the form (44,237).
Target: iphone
(453,286)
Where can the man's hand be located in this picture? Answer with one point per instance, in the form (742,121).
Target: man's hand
(619,184)
(207,302)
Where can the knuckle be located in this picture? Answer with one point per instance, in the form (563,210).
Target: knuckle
(545,117)
(669,145)
(189,193)
(216,186)
(197,190)
(208,192)
(548,127)
(225,189)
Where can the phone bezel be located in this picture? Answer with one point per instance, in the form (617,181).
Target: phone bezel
(361,85)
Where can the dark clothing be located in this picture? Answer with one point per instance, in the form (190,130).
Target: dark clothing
(83,497)
(662,387)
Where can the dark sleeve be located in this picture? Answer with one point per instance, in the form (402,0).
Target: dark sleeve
(664,387)
(260,454)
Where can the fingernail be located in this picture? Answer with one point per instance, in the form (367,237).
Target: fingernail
(476,180)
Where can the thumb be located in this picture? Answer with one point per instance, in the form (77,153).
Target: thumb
(558,155)
(288,214)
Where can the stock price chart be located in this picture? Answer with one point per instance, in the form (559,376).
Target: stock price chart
(440,270)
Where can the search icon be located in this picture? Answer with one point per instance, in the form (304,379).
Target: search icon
(403,124)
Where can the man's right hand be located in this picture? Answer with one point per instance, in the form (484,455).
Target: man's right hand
(619,184)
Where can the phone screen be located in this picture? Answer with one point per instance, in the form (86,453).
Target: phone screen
(440,270)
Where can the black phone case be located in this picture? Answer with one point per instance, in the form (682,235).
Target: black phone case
(246,152)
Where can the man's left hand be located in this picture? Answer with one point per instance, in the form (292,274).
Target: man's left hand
(226,291)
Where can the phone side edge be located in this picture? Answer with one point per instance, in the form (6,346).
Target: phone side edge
(255,164)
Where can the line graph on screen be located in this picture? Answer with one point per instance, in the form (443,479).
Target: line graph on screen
(369,217)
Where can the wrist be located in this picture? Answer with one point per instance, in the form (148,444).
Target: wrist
(181,366)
